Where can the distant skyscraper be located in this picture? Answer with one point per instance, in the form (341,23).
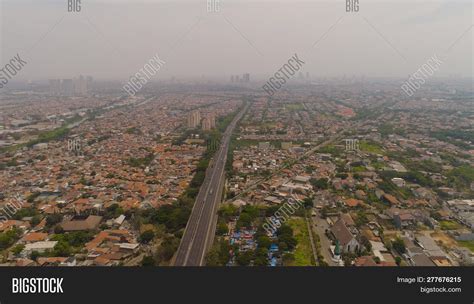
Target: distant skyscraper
(212,119)
(206,124)
(54,86)
(246,77)
(232,78)
(89,81)
(80,86)
(194,119)
(209,122)
(67,87)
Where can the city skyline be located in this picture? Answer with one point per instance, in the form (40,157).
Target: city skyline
(379,40)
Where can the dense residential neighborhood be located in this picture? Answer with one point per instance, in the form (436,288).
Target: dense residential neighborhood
(309,180)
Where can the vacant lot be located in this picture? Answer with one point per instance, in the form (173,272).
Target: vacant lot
(303,253)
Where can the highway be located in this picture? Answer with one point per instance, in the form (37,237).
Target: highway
(199,232)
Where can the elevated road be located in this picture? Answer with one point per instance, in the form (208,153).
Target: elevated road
(200,229)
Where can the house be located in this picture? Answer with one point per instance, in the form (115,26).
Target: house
(403,220)
(400,182)
(368,261)
(90,223)
(50,261)
(39,247)
(392,200)
(10,224)
(352,202)
(119,220)
(347,219)
(341,233)
(34,237)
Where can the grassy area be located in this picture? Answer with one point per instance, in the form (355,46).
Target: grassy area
(294,107)
(303,253)
(449,225)
(370,147)
(358,169)
(468,244)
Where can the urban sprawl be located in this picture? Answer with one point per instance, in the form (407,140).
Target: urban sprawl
(323,172)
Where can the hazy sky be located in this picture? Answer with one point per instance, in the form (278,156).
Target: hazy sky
(113,39)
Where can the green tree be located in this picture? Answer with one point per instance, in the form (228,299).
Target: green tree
(62,248)
(222,228)
(398,260)
(321,183)
(244,258)
(17,249)
(34,255)
(264,241)
(399,245)
(146,236)
(147,261)
(53,219)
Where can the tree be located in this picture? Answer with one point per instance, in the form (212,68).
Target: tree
(58,229)
(62,248)
(35,220)
(264,241)
(18,248)
(148,261)
(244,258)
(146,236)
(290,241)
(321,183)
(212,258)
(399,245)
(398,260)
(308,202)
(34,255)
(361,219)
(288,259)
(166,250)
(53,219)
(8,238)
(284,229)
(261,255)
(245,220)
(283,246)
(222,228)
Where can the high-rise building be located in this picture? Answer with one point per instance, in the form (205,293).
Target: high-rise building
(209,122)
(212,119)
(194,118)
(89,81)
(246,77)
(54,86)
(67,87)
(206,124)
(80,86)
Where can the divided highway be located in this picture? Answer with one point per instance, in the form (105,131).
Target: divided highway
(199,233)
